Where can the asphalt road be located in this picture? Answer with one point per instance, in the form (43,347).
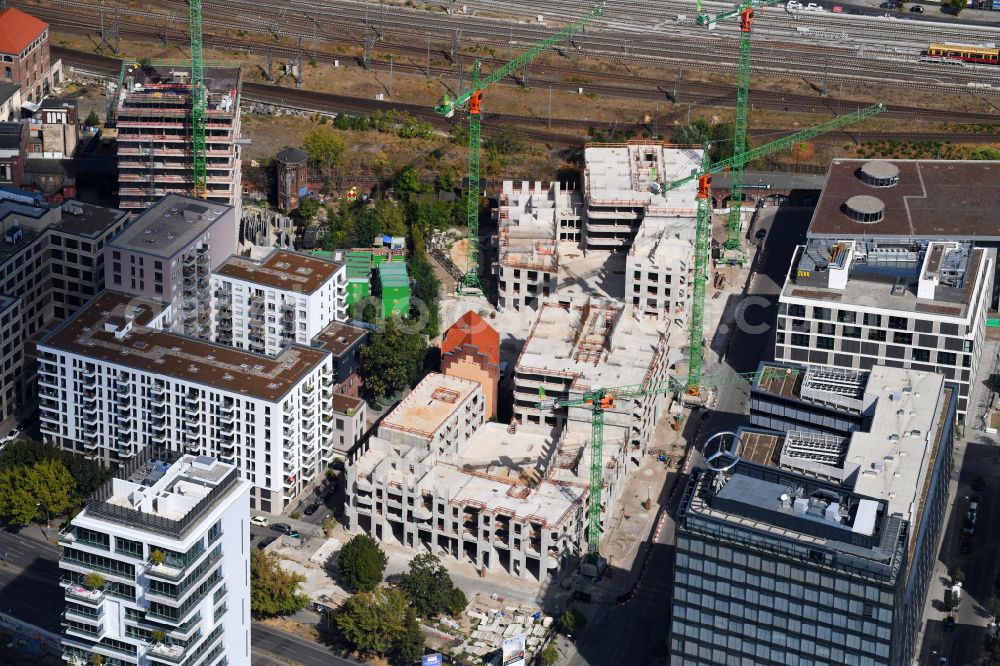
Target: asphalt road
(276,642)
(963,646)
(753,340)
(29,580)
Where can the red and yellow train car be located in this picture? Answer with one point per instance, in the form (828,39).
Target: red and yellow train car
(964,52)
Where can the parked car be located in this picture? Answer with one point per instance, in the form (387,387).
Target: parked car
(793,4)
(949,623)
(266,541)
(837,9)
(760,234)
(259,521)
(969,527)
(312,508)
(285,529)
(813,7)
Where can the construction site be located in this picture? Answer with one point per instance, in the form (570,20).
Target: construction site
(151,111)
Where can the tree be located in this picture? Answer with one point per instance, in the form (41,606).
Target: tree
(93,120)
(157,557)
(96,659)
(984,153)
(446,179)
(52,486)
(362,563)
(410,646)
(374,622)
(430,588)
(273,591)
(158,636)
(325,148)
(308,207)
(94,581)
(392,359)
(549,655)
(957,6)
(408,182)
(426,285)
(390,217)
(957,575)
(572,621)
(951,600)
(16,502)
(719,136)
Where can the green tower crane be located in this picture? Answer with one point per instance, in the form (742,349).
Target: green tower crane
(745,10)
(200,180)
(600,399)
(474,97)
(703,229)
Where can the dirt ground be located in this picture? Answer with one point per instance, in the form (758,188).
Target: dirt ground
(269,135)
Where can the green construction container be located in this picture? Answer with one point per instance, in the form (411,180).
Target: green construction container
(357,290)
(359,264)
(394,285)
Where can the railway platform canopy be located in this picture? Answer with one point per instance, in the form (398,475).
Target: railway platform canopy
(917,199)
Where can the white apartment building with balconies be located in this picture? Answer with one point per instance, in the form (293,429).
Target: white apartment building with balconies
(286,297)
(112,382)
(167,538)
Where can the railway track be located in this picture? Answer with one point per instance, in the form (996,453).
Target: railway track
(404,30)
(607,84)
(574,131)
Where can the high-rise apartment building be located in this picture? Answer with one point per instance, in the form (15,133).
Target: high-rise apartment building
(152,112)
(50,262)
(76,248)
(112,381)
(817,548)
(167,539)
(263,305)
(168,254)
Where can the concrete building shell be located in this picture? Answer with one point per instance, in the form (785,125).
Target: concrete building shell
(152,113)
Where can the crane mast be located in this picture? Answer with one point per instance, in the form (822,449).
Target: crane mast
(473,96)
(602,399)
(199,178)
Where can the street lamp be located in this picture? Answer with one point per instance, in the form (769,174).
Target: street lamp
(46,506)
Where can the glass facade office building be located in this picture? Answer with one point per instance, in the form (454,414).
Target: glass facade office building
(777,565)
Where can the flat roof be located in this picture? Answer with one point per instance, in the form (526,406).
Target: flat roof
(429,405)
(169,225)
(933,199)
(345,404)
(281,269)
(886,291)
(895,454)
(337,338)
(172,75)
(86,220)
(625,174)
(665,241)
(162,492)
(89,333)
(495,451)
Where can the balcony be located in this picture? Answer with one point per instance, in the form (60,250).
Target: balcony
(165,652)
(79,593)
(81,631)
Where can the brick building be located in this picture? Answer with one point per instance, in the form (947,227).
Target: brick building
(13,140)
(24,55)
(292,176)
(471,350)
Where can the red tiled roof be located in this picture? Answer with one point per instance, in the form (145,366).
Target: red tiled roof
(18,29)
(470,329)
